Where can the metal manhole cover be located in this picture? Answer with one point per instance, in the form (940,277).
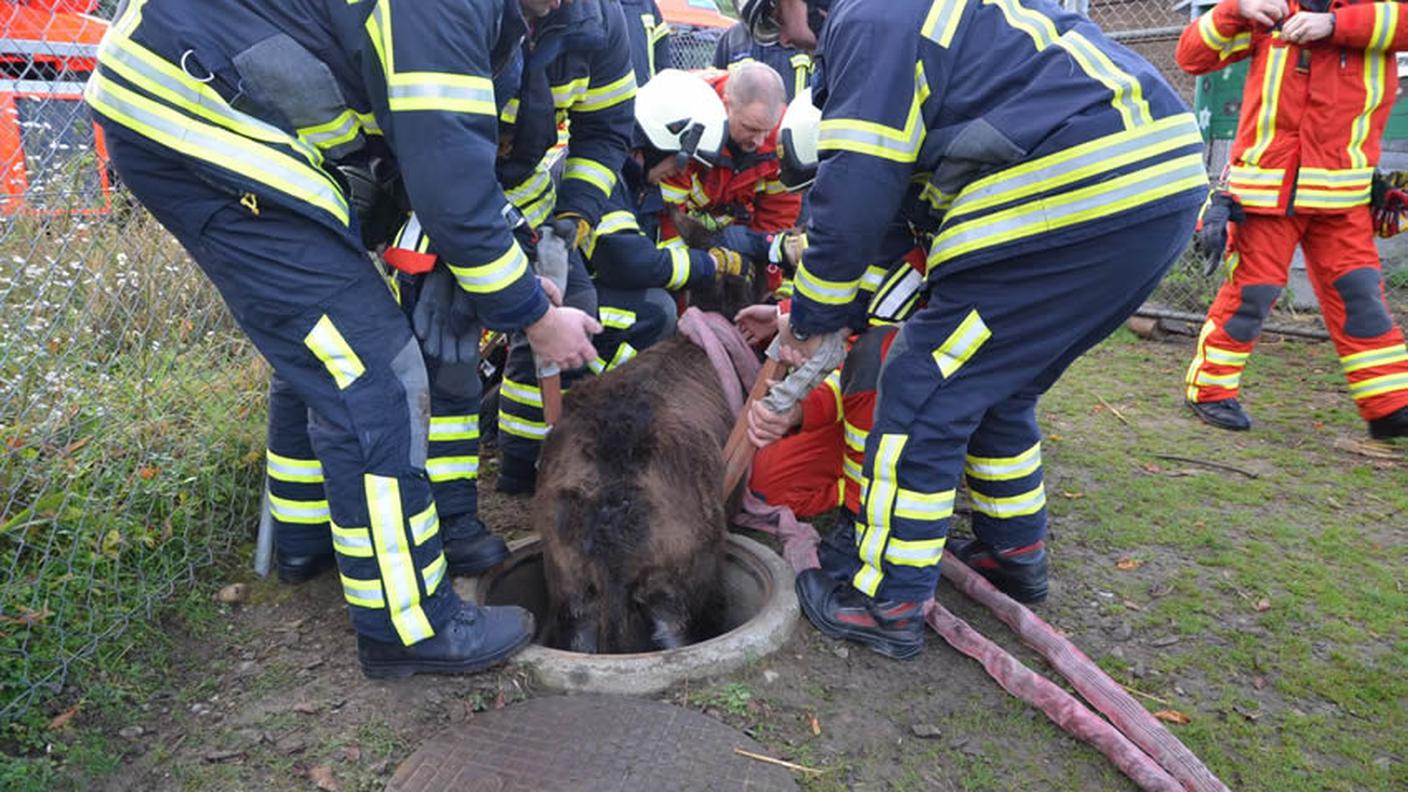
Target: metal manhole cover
(588,743)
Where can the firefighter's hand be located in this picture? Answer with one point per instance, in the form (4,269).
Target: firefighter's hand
(766,426)
(726,262)
(563,338)
(792,352)
(550,289)
(787,249)
(443,318)
(757,323)
(1264,12)
(1305,27)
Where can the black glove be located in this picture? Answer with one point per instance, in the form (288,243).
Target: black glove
(1210,239)
(373,193)
(443,318)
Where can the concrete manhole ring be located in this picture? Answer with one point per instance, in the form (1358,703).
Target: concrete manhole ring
(587,742)
(762,614)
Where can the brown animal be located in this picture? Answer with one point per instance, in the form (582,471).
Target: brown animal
(628,503)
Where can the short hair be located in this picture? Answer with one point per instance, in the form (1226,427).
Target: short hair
(756,82)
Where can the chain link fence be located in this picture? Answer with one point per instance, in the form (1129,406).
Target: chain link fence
(132,409)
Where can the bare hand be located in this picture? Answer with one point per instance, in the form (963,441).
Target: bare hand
(554,294)
(562,337)
(766,426)
(757,323)
(790,351)
(1304,27)
(1264,12)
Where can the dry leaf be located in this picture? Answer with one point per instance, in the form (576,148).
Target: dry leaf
(61,720)
(1263,605)
(500,701)
(352,753)
(148,473)
(1258,681)
(1128,563)
(321,776)
(1173,716)
(306,707)
(1072,495)
(1152,468)
(1134,606)
(33,618)
(76,444)
(816,726)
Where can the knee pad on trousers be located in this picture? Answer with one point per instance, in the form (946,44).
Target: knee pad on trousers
(1245,324)
(409,369)
(1365,315)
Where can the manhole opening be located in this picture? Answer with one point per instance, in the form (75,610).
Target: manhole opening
(519,581)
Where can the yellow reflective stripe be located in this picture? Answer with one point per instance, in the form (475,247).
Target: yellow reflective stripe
(217,146)
(679,263)
(495,275)
(614,222)
(852,469)
(1378,386)
(867,580)
(369,123)
(801,71)
(920,553)
(613,93)
(1254,176)
(509,115)
(673,193)
(1029,502)
(619,318)
(362,593)
(435,91)
(591,172)
(1071,208)
(873,277)
(1004,468)
(771,187)
(337,356)
(1196,364)
(1374,357)
(625,353)
(312,512)
(351,542)
(1225,46)
(531,187)
(1128,99)
(530,395)
(453,427)
(1374,70)
(1342,178)
(1078,163)
(451,468)
(424,525)
(567,94)
(821,290)
(301,471)
(1317,199)
(522,427)
(927,506)
(1270,105)
(1225,357)
(394,560)
(1228,381)
(833,384)
(878,140)
(433,573)
(855,437)
(880,499)
(942,21)
(960,345)
(333,133)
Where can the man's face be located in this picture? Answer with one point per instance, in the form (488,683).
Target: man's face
(534,9)
(749,125)
(791,18)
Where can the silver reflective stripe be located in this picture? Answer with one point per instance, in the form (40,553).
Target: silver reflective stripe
(343,130)
(447,468)
(898,295)
(433,574)
(1026,503)
(439,90)
(924,505)
(905,148)
(424,525)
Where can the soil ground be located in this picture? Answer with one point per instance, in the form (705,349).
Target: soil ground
(1266,605)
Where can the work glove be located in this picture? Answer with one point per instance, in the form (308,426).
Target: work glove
(555,243)
(786,249)
(1388,202)
(373,194)
(1210,236)
(443,318)
(726,262)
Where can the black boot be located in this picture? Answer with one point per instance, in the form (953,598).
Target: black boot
(1020,573)
(301,569)
(1224,414)
(470,549)
(472,640)
(837,551)
(516,476)
(894,629)
(1395,424)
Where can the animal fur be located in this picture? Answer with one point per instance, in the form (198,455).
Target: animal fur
(628,504)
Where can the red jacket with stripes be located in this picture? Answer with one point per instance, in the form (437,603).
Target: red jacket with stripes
(1312,115)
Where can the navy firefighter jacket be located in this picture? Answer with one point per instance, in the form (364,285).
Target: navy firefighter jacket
(257,94)
(1024,127)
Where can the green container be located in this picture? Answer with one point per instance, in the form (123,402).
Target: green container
(1217,100)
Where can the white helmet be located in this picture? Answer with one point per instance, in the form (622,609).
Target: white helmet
(679,111)
(796,141)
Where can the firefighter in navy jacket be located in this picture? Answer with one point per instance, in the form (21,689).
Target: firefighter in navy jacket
(1066,175)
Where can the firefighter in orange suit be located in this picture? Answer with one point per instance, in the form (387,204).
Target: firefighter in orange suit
(1322,81)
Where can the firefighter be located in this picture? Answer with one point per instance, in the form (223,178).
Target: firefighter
(742,187)
(650,38)
(219,117)
(1065,175)
(1322,81)
(736,47)
(577,71)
